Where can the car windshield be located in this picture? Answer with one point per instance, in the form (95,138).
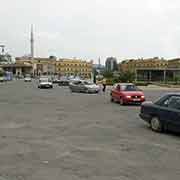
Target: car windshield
(44,80)
(129,88)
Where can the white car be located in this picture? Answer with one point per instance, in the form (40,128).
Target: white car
(27,79)
(45,83)
(2,79)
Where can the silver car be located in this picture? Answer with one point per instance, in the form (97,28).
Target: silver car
(84,87)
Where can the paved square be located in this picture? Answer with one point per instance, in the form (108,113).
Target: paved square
(54,134)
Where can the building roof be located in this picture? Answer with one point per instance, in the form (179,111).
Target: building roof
(15,65)
(73,60)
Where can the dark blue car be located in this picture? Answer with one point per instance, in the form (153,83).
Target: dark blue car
(164,114)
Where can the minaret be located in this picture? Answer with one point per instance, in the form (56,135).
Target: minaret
(32,42)
(99,63)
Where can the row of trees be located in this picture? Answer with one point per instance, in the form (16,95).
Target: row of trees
(119,76)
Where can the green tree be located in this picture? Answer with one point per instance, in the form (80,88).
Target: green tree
(108,74)
(127,76)
(1,72)
(176,79)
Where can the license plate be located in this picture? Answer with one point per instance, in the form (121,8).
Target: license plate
(136,99)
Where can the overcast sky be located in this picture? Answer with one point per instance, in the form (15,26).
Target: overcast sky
(90,29)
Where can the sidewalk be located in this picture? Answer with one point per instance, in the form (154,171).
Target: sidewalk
(155,87)
(151,87)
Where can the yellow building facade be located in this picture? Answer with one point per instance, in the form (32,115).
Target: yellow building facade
(41,66)
(62,67)
(151,63)
(174,63)
(153,69)
(75,67)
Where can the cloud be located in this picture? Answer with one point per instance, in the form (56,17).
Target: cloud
(89,29)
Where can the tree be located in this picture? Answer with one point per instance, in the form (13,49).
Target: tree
(176,79)
(127,76)
(1,72)
(108,74)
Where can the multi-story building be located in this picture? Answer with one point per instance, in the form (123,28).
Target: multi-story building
(153,69)
(174,63)
(41,66)
(133,64)
(111,64)
(75,67)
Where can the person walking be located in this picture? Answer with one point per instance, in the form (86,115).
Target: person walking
(104,85)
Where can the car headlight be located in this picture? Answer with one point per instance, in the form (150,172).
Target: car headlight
(128,96)
(142,97)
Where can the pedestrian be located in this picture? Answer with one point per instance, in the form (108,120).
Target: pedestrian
(104,85)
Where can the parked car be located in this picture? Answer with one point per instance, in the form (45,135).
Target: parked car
(27,78)
(2,79)
(64,81)
(56,80)
(164,114)
(45,82)
(84,86)
(126,93)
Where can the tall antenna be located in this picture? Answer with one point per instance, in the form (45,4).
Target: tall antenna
(32,42)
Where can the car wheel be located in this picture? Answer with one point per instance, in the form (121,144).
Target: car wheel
(112,100)
(121,101)
(156,124)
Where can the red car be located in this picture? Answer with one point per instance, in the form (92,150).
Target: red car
(127,93)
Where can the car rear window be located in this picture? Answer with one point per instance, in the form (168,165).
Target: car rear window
(129,88)
(44,80)
(77,82)
(88,83)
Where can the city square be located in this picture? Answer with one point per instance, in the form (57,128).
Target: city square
(56,134)
(89,90)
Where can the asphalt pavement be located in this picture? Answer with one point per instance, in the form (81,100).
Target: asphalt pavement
(53,134)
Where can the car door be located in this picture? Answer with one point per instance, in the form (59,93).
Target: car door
(113,92)
(117,91)
(169,112)
(82,87)
(74,86)
(78,86)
